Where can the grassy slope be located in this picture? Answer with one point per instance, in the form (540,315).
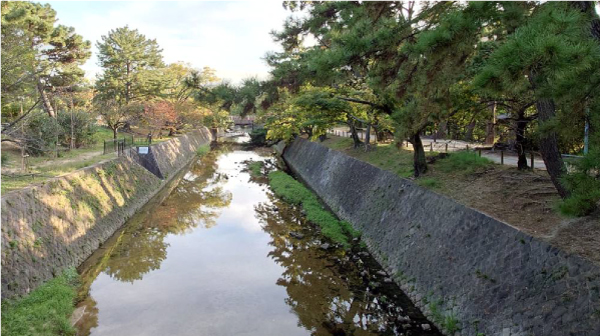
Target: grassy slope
(294,192)
(68,161)
(45,311)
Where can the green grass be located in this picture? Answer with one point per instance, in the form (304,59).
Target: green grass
(45,311)
(292,191)
(384,156)
(255,168)
(41,174)
(429,182)
(463,162)
(202,150)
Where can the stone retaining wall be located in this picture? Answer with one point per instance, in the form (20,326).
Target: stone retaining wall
(58,224)
(457,264)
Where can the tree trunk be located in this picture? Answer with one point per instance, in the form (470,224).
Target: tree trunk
(521,124)
(368,138)
(115,133)
(470,128)
(549,146)
(420,164)
(441,132)
(45,100)
(354,134)
(490,137)
(128,84)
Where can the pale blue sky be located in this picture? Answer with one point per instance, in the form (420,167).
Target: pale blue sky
(231,37)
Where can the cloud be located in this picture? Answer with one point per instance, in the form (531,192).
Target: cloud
(231,37)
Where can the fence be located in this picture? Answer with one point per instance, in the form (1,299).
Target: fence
(119,145)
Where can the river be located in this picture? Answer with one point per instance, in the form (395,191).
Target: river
(218,254)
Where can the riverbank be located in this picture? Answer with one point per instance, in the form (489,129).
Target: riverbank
(56,225)
(526,200)
(453,261)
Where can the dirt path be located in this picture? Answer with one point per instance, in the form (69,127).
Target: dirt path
(79,158)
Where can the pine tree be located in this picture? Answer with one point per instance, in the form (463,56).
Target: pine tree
(132,66)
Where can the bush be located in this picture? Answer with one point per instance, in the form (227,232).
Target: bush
(584,186)
(42,131)
(84,128)
(41,134)
(258,137)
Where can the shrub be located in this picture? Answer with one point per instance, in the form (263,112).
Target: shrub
(584,185)
(258,137)
(84,128)
(41,134)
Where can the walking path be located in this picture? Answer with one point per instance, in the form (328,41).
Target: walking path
(445,145)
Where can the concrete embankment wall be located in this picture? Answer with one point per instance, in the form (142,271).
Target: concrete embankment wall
(456,263)
(58,224)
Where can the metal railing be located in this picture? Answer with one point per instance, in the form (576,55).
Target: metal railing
(119,145)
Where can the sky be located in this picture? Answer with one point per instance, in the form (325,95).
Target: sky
(231,37)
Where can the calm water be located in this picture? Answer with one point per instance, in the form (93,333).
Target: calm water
(215,257)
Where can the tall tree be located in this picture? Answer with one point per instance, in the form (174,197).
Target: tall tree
(34,50)
(132,66)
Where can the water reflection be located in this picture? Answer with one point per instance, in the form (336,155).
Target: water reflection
(140,247)
(332,292)
(216,258)
(197,200)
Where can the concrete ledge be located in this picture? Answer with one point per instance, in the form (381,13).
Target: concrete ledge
(453,261)
(59,223)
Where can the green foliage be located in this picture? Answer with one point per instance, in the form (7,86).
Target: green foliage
(83,126)
(432,183)
(43,312)
(203,150)
(258,137)
(584,185)
(292,191)
(132,66)
(4,158)
(384,156)
(464,162)
(42,131)
(255,168)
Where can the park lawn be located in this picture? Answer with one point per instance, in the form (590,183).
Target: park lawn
(47,166)
(385,156)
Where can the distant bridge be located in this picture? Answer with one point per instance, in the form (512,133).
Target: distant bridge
(242,121)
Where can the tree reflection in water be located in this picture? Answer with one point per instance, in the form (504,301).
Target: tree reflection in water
(196,200)
(140,247)
(328,289)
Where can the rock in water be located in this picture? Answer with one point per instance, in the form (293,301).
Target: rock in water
(296,235)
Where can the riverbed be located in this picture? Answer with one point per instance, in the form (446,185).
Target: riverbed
(219,254)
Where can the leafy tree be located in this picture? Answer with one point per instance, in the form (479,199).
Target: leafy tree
(116,115)
(37,51)
(554,58)
(132,66)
